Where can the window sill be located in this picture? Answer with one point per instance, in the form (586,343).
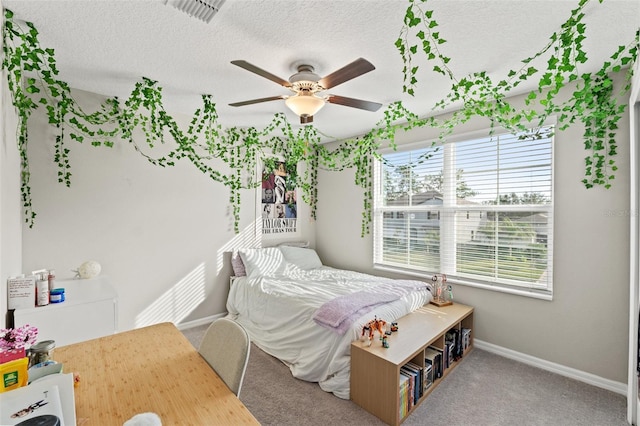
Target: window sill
(526,292)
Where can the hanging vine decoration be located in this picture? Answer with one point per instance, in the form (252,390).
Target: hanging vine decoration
(202,144)
(593,102)
(32,71)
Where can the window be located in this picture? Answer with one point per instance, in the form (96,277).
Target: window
(479,210)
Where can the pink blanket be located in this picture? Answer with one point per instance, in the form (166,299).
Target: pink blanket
(339,313)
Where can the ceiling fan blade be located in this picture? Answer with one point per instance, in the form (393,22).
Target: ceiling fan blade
(262,73)
(354,103)
(257,101)
(354,69)
(306,119)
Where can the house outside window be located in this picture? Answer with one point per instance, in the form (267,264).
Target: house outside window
(479,210)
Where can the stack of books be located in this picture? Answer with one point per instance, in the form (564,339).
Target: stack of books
(405,392)
(415,372)
(433,358)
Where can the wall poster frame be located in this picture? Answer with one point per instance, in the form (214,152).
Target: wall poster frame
(277,197)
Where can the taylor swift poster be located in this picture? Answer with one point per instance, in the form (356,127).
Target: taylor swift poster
(279,208)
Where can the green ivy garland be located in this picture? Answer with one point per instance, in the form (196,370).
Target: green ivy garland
(32,71)
(593,102)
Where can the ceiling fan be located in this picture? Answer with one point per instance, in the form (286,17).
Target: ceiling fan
(308,86)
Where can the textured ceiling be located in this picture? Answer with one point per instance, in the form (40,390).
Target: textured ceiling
(107,46)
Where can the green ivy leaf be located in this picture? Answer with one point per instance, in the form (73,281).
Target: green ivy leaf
(592,104)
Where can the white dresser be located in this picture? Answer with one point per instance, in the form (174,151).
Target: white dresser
(90,310)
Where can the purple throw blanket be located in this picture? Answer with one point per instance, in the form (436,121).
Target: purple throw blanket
(339,313)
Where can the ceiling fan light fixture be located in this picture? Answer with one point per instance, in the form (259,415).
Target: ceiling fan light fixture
(305,85)
(304,104)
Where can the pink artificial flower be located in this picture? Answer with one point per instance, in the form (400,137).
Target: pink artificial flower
(17,338)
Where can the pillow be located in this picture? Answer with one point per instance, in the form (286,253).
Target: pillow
(262,261)
(304,244)
(237,265)
(303,258)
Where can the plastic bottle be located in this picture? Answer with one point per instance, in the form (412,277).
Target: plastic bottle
(42,290)
(52,280)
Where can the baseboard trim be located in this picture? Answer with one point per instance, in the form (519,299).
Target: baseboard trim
(572,373)
(202,321)
(563,370)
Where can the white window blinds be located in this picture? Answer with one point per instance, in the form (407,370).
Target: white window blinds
(478,210)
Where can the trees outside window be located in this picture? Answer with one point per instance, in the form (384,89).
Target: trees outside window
(477,210)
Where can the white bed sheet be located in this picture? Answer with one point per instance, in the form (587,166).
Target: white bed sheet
(278,310)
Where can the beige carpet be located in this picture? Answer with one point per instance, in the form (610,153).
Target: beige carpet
(485,389)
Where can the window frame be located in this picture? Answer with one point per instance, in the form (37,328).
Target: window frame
(544,292)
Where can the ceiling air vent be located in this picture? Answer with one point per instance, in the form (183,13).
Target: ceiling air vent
(201,9)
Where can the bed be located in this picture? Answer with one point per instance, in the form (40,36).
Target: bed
(307,314)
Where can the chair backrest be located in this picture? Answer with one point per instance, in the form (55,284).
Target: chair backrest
(225,346)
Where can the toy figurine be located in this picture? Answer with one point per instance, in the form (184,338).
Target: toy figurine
(365,337)
(370,328)
(385,342)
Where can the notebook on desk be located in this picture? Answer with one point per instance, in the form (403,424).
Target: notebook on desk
(49,399)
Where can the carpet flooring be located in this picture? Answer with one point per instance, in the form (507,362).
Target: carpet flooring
(485,389)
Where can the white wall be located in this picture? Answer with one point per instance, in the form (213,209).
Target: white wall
(160,234)
(586,325)
(10,206)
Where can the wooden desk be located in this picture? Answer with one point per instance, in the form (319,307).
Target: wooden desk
(150,369)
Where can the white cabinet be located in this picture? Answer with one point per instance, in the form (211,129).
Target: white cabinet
(90,310)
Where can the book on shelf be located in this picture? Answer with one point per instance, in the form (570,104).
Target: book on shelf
(404,396)
(410,393)
(453,336)
(428,377)
(422,375)
(466,339)
(434,356)
(416,373)
(449,349)
(445,355)
(459,350)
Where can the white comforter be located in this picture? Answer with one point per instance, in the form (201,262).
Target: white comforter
(277,312)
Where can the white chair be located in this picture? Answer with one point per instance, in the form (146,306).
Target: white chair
(225,346)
